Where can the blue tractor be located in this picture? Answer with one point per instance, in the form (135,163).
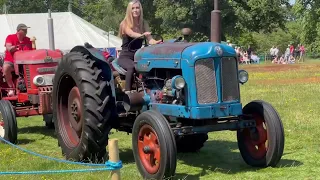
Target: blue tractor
(181,92)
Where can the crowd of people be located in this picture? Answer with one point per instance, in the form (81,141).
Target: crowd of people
(291,55)
(247,56)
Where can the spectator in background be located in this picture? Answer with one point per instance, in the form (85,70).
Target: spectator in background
(229,43)
(272,52)
(287,53)
(302,52)
(291,50)
(245,58)
(255,58)
(276,52)
(297,51)
(282,59)
(238,51)
(249,51)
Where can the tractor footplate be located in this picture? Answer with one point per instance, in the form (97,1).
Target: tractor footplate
(229,125)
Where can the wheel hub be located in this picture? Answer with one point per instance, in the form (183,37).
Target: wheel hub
(70,111)
(149,149)
(257,138)
(75,111)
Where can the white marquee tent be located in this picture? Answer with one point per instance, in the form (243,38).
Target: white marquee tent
(69,30)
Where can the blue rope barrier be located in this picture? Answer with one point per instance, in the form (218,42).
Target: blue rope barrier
(111,166)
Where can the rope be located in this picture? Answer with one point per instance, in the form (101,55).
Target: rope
(111,166)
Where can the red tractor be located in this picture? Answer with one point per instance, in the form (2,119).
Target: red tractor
(33,77)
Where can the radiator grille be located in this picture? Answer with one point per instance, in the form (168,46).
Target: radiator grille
(28,76)
(206,81)
(229,79)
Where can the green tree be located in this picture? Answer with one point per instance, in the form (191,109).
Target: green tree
(102,14)
(237,15)
(308,14)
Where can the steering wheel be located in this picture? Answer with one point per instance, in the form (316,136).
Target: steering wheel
(179,39)
(20,47)
(144,39)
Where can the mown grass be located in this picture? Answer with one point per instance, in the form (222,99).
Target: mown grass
(297,104)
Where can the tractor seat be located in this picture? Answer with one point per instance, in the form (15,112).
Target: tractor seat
(117,67)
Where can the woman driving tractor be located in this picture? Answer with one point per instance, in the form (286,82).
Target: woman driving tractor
(133,26)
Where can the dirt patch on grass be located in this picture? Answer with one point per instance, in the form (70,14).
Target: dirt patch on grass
(288,81)
(278,67)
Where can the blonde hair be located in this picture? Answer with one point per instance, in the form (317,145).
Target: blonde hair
(128,19)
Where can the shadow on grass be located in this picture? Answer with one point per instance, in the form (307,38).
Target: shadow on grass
(38,130)
(25,141)
(222,157)
(126,155)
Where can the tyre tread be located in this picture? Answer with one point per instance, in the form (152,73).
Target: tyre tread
(96,105)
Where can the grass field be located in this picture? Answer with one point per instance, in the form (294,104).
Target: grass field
(292,89)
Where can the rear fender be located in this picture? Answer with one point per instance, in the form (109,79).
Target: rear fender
(101,61)
(92,52)
(95,55)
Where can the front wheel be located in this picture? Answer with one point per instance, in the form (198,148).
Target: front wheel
(48,120)
(154,146)
(8,122)
(263,145)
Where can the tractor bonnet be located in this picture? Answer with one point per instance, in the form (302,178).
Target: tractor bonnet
(37,56)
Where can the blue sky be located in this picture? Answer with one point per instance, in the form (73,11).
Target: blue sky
(292,1)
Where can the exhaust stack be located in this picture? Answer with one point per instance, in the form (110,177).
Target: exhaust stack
(50,31)
(216,23)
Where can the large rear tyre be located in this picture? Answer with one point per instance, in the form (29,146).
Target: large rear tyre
(154,146)
(8,122)
(84,108)
(262,146)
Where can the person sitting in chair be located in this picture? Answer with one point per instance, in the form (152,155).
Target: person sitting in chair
(132,26)
(14,42)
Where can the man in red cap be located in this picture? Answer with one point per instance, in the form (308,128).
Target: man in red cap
(14,42)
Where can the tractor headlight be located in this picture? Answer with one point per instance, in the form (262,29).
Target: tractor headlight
(43,80)
(243,76)
(178,82)
(39,81)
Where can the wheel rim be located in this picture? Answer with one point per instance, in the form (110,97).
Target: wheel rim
(2,131)
(149,149)
(256,141)
(70,116)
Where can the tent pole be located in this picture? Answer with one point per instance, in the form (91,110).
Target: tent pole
(50,30)
(4,9)
(70,6)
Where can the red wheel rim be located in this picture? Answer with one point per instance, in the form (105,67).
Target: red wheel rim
(257,142)
(149,149)
(70,115)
